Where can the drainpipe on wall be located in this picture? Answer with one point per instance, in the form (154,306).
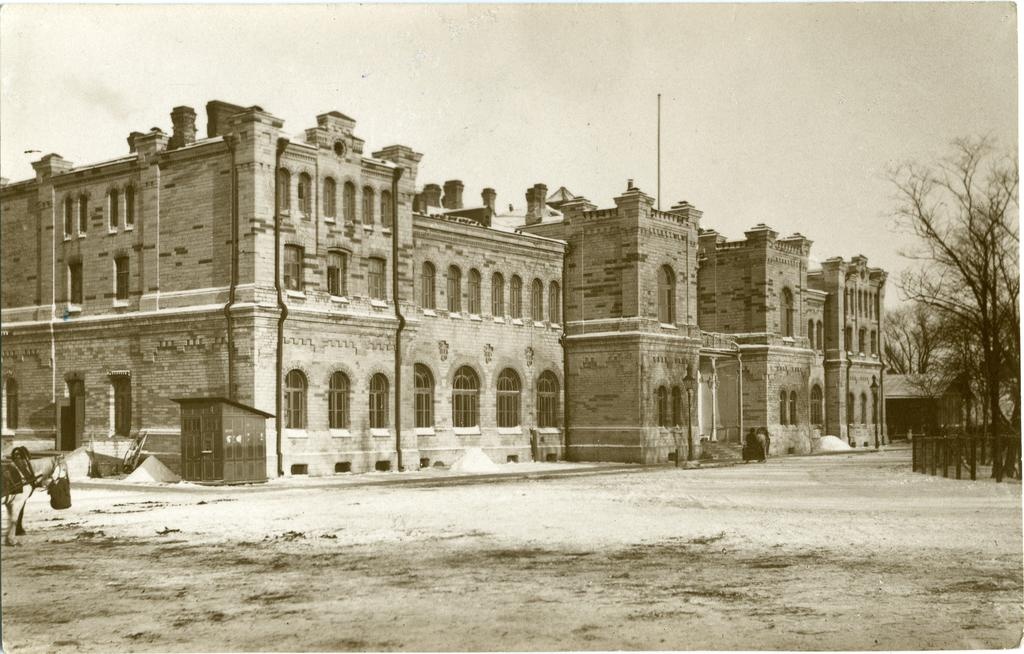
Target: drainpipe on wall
(53,319)
(562,340)
(396,175)
(229,140)
(282,143)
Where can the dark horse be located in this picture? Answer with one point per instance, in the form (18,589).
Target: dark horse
(21,476)
(756,445)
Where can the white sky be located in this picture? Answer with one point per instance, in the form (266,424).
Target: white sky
(784,114)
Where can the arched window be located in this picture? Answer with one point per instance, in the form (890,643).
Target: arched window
(783,401)
(454,289)
(874,342)
(337,401)
(816,406)
(794,416)
(850,345)
(515,297)
(787,312)
(863,409)
(378,401)
(114,208)
(547,400)
(330,198)
(385,208)
(474,292)
(83,213)
(820,338)
(497,295)
(129,206)
(862,340)
(677,406)
(122,389)
(508,398)
(305,194)
(11,403)
(284,190)
(367,205)
(427,297)
(295,400)
(69,217)
(349,202)
(662,406)
(850,408)
(554,302)
(537,301)
(666,295)
(465,398)
(810,333)
(424,386)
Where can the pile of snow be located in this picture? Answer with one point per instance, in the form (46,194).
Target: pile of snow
(831,444)
(474,460)
(152,471)
(79,463)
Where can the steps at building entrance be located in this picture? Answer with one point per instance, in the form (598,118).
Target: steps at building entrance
(720,451)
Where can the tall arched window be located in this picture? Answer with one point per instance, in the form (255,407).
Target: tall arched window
(113,209)
(816,406)
(850,408)
(863,409)
(820,338)
(367,205)
(11,406)
(427,296)
(547,400)
(850,345)
(295,400)
(554,302)
(69,217)
(515,297)
(661,398)
(454,289)
(284,190)
(497,295)
(474,291)
(349,202)
(508,398)
(83,213)
(677,406)
(385,209)
(862,340)
(810,333)
(787,312)
(783,402)
(794,417)
(129,206)
(378,401)
(666,295)
(465,398)
(424,387)
(537,301)
(305,194)
(330,198)
(338,401)
(874,342)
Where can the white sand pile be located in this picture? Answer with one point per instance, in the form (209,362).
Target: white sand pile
(152,471)
(831,444)
(79,463)
(474,460)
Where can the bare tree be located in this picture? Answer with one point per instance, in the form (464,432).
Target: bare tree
(912,337)
(964,212)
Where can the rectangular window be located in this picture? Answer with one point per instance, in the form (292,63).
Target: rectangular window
(121,278)
(375,279)
(293,255)
(337,272)
(75,283)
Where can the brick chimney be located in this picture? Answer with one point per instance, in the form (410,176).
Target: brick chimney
(432,195)
(184,133)
(452,194)
(536,203)
(489,196)
(50,165)
(217,114)
(131,141)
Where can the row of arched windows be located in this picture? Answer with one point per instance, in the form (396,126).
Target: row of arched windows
(669,415)
(465,398)
(861,302)
(789,413)
(428,294)
(867,341)
(304,194)
(816,335)
(852,406)
(120,211)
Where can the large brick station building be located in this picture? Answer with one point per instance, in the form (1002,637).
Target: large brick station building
(383,324)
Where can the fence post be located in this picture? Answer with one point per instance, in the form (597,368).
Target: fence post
(945,457)
(934,455)
(958,457)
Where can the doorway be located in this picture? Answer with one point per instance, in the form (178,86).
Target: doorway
(72,416)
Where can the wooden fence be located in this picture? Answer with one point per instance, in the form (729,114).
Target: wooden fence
(967,456)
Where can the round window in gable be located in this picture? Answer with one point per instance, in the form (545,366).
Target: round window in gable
(339,148)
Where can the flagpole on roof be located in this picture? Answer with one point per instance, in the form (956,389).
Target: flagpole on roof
(659,152)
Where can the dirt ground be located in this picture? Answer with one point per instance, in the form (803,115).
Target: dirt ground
(823,553)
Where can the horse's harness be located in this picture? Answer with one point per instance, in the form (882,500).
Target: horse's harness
(22,464)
